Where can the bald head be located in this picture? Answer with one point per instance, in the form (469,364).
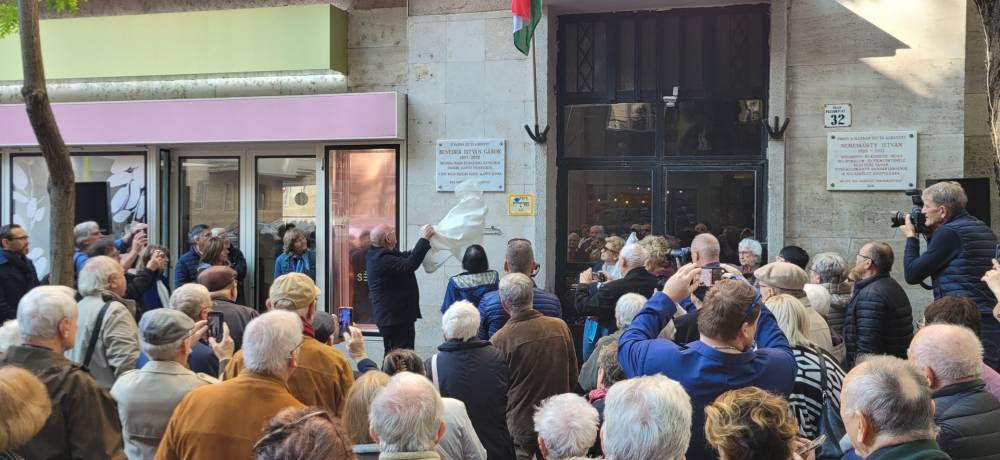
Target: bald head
(705,247)
(520,257)
(951,354)
(382,236)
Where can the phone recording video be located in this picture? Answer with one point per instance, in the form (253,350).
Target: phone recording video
(344,313)
(709,276)
(215,325)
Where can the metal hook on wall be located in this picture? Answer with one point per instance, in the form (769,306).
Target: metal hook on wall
(776,132)
(492,230)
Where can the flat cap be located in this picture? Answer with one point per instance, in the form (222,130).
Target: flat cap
(216,278)
(782,275)
(164,325)
(297,288)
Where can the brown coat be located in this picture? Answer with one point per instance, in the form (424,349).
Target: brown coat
(224,420)
(542,361)
(322,378)
(84,422)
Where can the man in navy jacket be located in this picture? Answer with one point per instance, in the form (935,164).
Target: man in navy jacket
(959,251)
(723,359)
(520,258)
(392,285)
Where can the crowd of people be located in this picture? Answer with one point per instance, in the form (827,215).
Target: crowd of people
(805,357)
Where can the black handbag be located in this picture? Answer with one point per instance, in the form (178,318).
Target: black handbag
(830,423)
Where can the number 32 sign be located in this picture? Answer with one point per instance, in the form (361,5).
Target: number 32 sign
(836,115)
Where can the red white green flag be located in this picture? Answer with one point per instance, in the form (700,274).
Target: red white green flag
(527,13)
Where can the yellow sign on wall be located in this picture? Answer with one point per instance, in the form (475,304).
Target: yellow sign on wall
(521,204)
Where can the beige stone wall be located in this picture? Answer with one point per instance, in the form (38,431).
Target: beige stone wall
(901,65)
(466,81)
(376,50)
(978,146)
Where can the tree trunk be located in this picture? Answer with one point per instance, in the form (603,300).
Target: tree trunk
(62,183)
(989,10)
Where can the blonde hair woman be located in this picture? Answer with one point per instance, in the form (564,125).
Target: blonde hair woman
(750,424)
(359,402)
(812,389)
(25,405)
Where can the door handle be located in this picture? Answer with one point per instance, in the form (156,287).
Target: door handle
(671,101)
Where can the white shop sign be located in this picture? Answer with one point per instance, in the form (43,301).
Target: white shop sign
(880,160)
(837,115)
(481,160)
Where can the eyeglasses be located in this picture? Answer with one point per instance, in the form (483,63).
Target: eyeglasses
(512,240)
(17,238)
(281,433)
(865,257)
(296,349)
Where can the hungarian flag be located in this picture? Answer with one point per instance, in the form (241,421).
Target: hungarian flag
(527,13)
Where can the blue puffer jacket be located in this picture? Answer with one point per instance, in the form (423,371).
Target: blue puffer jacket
(187,269)
(471,287)
(493,316)
(961,275)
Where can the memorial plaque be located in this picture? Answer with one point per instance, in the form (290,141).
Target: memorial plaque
(879,160)
(481,160)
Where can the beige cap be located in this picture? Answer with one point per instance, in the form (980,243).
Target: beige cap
(297,288)
(782,275)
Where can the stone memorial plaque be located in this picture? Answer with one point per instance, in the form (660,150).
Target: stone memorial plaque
(878,160)
(481,160)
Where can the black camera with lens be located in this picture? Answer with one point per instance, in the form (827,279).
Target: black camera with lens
(683,254)
(916,214)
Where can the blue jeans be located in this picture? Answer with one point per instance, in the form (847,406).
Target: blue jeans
(592,331)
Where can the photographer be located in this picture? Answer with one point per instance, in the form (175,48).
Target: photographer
(960,249)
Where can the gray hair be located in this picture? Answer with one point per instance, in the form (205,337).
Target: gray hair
(520,257)
(948,194)
(291,236)
(706,245)
(646,418)
(893,394)
(269,340)
(96,275)
(517,292)
(191,300)
(792,318)
(461,321)
(627,307)
(163,352)
(379,235)
(568,424)
(9,336)
(407,414)
(830,267)
(42,308)
(752,245)
(953,352)
(82,231)
(635,255)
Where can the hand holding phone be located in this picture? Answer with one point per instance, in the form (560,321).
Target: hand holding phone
(344,313)
(811,445)
(215,325)
(709,276)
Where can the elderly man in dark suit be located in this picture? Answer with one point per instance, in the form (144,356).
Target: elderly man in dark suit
(392,285)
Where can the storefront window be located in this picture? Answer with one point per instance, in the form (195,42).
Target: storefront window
(720,202)
(286,196)
(363,194)
(605,203)
(210,195)
(707,127)
(125,175)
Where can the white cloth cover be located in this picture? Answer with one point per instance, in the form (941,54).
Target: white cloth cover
(460,228)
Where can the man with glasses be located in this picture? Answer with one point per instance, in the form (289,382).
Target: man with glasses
(740,345)
(520,258)
(17,272)
(147,397)
(392,285)
(225,420)
(878,319)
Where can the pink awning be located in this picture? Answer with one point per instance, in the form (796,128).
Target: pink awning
(328,117)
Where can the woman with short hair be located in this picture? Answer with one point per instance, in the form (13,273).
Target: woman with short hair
(25,405)
(297,257)
(475,282)
(750,252)
(304,433)
(115,337)
(750,424)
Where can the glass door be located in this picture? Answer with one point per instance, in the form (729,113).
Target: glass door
(363,184)
(286,199)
